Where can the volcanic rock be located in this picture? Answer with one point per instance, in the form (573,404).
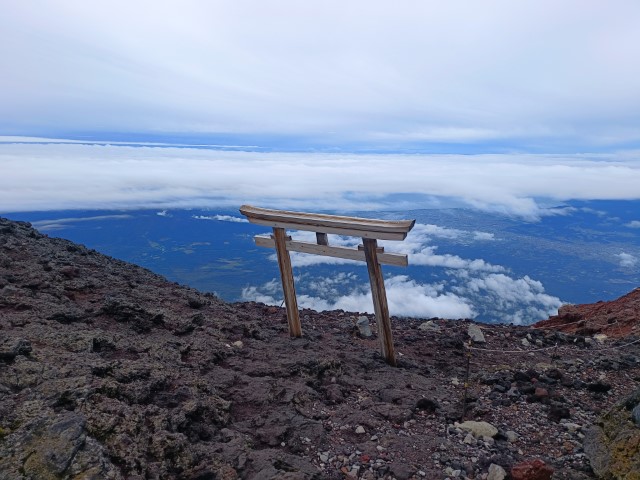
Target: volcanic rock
(613,443)
(108,370)
(531,470)
(616,318)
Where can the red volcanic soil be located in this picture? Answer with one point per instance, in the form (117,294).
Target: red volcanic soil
(617,318)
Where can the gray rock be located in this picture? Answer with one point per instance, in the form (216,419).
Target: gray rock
(58,447)
(478,429)
(613,443)
(511,436)
(401,470)
(10,348)
(635,414)
(595,448)
(430,326)
(475,333)
(363,326)
(496,472)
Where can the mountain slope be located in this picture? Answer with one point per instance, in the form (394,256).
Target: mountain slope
(109,371)
(616,318)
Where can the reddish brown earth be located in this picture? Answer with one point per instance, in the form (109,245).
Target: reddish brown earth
(110,371)
(617,318)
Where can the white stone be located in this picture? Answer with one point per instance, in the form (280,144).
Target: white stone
(496,472)
(572,427)
(475,333)
(511,436)
(360,429)
(430,326)
(479,429)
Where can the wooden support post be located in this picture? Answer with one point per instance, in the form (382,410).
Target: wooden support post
(288,287)
(379,295)
(322,238)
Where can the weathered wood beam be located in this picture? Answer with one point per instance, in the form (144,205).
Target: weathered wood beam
(341,225)
(397,259)
(380,305)
(288,287)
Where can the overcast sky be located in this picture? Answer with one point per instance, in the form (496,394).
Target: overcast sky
(510,75)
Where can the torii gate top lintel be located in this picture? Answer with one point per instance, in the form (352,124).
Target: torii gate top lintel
(370,230)
(340,225)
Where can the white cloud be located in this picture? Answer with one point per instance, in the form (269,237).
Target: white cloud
(507,299)
(483,236)
(222,218)
(62,223)
(93,176)
(633,224)
(495,297)
(254,294)
(627,260)
(428,257)
(405,297)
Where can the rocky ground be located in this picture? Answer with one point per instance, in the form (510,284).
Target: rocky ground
(617,318)
(109,371)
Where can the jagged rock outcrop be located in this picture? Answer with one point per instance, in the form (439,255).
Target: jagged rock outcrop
(617,318)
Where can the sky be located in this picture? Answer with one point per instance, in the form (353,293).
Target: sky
(361,105)
(542,75)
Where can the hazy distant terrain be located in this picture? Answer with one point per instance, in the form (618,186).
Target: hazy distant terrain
(463,263)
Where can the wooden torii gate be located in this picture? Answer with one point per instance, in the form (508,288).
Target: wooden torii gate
(368,229)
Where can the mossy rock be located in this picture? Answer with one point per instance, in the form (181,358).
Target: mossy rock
(613,444)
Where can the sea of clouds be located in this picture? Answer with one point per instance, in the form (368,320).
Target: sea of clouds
(465,288)
(59,176)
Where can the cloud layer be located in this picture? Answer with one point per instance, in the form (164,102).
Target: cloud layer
(466,288)
(60,176)
(405,296)
(495,297)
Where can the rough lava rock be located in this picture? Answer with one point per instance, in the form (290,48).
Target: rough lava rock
(108,370)
(531,470)
(616,318)
(613,443)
